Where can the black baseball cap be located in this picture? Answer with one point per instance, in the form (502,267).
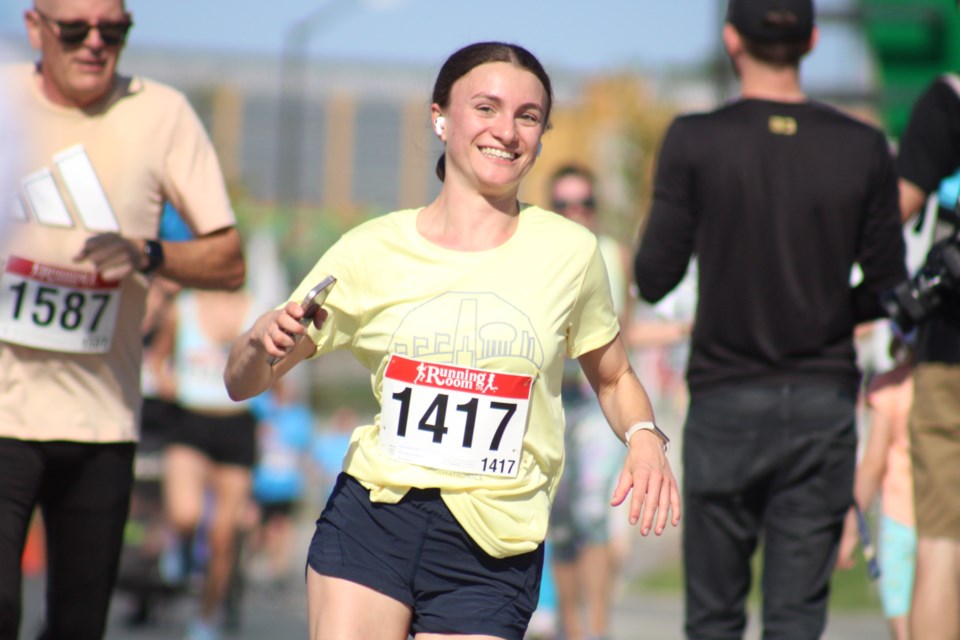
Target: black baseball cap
(772,20)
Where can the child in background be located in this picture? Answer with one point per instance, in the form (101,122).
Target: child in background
(885,467)
(284,432)
(329,446)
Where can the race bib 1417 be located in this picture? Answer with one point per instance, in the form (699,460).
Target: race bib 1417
(454,418)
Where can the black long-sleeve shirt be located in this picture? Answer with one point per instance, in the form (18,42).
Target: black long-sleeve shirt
(778,201)
(930,152)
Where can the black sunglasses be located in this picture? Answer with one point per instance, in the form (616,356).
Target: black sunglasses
(73,33)
(586,203)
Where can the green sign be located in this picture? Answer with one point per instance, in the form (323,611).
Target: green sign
(913,41)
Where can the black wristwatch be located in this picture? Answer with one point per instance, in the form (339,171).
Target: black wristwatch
(154,252)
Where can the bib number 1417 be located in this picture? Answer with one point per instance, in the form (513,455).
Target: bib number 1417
(434,421)
(470,422)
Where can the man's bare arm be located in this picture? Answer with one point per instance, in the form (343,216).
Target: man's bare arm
(912,199)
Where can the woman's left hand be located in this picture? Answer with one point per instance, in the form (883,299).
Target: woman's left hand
(647,474)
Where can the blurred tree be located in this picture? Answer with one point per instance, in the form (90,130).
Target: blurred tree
(642,121)
(613,129)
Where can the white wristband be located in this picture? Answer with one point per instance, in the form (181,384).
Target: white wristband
(646,426)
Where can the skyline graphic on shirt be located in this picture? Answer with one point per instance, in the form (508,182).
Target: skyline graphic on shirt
(485,327)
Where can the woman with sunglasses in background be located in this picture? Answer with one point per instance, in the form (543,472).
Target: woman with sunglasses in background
(584,551)
(463,311)
(100,154)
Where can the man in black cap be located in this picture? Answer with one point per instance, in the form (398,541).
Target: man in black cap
(779,197)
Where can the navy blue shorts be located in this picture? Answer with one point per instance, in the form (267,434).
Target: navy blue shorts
(417,553)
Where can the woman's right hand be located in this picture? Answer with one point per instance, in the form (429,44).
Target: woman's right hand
(278,332)
(268,350)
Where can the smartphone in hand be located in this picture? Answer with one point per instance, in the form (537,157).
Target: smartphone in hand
(311,307)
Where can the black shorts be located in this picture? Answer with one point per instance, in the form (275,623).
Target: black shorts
(158,420)
(417,553)
(270,509)
(227,439)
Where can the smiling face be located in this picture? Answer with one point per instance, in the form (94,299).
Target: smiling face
(75,75)
(492,127)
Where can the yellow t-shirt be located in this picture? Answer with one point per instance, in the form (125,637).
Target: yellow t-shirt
(522,307)
(109,168)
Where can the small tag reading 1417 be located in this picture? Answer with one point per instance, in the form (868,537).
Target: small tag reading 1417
(454,418)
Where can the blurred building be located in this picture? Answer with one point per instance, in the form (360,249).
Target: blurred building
(364,142)
(335,141)
(348,136)
(354,138)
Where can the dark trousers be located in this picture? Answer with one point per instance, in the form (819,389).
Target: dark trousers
(84,494)
(770,463)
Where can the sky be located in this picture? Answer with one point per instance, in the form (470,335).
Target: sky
(576,35)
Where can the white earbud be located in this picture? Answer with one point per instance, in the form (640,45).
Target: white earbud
(439,124)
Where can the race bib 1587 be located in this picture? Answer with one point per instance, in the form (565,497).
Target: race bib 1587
(55,308)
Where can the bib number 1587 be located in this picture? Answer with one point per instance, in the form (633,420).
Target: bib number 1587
(71,311)
(58,309)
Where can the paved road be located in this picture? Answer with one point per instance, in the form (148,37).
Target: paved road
(282,616)
(266,615)
(640,617)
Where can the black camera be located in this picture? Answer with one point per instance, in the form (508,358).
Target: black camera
(914,300)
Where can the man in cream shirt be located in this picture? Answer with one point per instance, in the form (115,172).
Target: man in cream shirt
(102,152)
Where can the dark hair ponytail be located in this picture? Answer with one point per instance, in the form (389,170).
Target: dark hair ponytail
(442,166)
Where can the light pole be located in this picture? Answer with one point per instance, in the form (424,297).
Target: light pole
(293,78)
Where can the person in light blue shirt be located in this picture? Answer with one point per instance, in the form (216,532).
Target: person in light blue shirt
(285,429)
